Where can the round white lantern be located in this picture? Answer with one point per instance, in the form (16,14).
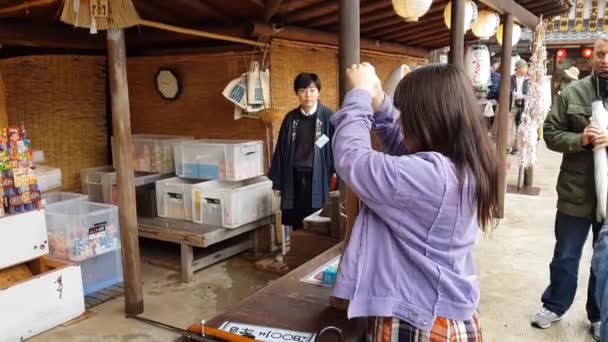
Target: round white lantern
(486,25)
(411,10)
(516,34)
(470,14)
(477,65)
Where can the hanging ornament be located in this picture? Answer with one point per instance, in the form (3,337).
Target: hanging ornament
(486,25)
(470,14)
(516,34)
(562,53)
(411,10)
(477,65)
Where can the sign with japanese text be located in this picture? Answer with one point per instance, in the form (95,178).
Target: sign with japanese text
(578,15)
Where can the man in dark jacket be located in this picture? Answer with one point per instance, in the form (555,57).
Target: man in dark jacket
(494,91)
(520,89)
(303,159)
(568,130)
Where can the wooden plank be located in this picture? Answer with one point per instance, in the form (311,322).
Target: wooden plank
(193,234)
(14,275)
(288,303)
(187,256)
(123,155)
(34,34)
(271,7)
(503,111)
(222,254)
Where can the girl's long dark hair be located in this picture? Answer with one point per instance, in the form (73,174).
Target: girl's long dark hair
(440,113)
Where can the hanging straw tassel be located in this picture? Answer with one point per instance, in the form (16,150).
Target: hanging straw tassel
(120,14)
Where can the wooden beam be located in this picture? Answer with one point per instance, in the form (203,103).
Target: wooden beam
(406,35)
(271,7)
(520,14)
(314,11)
(350,53)
(121,122)
(456,56)
(259,3)
(320,37)
(201,6)
(34,34)
(25,6)
(503,111)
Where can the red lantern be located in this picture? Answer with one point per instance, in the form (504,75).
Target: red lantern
(562,53)
(587,52)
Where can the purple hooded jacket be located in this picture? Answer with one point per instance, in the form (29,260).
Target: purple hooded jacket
(410,255)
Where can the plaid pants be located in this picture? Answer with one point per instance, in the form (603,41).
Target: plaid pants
(387,329)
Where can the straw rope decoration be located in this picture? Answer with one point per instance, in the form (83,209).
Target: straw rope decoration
(100,14)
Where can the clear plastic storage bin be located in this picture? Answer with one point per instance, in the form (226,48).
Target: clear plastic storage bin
(154,153)
(48,178)
(174,198)
(80,230)
(101,271)
(92,181)
(232,204)
(229,160)
(110,189)
(52,198)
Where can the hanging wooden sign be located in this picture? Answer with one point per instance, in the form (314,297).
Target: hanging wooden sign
(578,15)
(594,15)
(564,22)
(551,25)
(99,8)
(605,26)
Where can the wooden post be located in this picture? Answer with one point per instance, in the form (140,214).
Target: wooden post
(3,104)
(503,110)
(457,33)
(350,45)
(121,123)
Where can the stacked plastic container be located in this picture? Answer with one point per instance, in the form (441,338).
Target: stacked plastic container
(154,152)
(235,194)
(87,233)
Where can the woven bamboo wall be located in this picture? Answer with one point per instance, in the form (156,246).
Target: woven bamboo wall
(201,110)
(288,59)
(62,101)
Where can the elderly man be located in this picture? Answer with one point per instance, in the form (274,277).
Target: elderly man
(520,89)
(568,130)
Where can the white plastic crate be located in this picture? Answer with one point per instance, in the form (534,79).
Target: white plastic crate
(48,178)
(101,271)
(232,204)
(51,198)
(228,160)
(92,181)
(110,189)
(154,153)
(174,198)
(79,230)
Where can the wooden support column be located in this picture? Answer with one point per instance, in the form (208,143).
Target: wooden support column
(503,110)
(3,104)
(350,46)
(457,33)
(123,155)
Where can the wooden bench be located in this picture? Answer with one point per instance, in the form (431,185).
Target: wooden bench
(189,235)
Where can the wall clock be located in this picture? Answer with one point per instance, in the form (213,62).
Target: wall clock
(168,84)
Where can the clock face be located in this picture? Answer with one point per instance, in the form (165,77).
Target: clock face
(167,84)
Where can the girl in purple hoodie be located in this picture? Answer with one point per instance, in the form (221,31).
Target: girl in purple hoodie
(409,265)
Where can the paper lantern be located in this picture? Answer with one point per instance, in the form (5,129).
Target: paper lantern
(562,53)
(390,83)
(516,34)
(470,14)
(486,25)
(411,10)
(587,52)
(477,65)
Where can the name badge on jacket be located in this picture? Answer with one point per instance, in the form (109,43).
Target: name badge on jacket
(322,141)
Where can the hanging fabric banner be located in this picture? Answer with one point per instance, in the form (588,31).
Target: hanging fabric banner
(564,22)
(594,15)
(578,15)
(551,25)
(605,26)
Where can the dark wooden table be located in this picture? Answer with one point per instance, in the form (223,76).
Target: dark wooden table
(288,303)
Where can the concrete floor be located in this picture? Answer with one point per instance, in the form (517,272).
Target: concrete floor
(513,271)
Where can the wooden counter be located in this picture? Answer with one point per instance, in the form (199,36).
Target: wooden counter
(288,303)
